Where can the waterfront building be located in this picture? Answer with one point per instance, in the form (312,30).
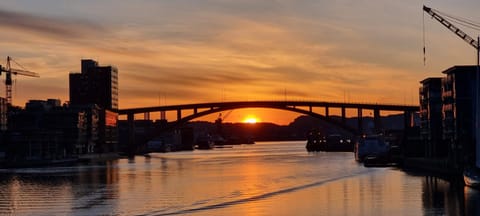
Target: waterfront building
(98,86)
(144,130)
(458,92)
(108,131)
(92,115)
(430,96)
(46,130)
(3,127)
(3,114)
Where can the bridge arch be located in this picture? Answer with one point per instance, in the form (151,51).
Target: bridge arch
(214,107)
(345,127)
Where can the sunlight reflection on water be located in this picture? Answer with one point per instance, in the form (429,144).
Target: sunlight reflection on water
(270,178)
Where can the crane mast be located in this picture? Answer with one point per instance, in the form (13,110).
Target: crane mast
(8,78)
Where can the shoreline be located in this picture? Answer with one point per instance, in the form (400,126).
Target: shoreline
(87,158)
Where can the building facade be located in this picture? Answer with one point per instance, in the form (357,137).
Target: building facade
(430,95)
(95,85)
(3,114)
(98,86)
(108,131)
(92,117)
(448,121)
(458,113)
(46,130)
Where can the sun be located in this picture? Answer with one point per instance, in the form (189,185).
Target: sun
(250,119)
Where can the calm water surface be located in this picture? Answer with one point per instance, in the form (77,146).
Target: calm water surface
(268,178)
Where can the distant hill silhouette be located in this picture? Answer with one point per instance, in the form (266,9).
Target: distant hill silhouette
(296,130)
(146,130)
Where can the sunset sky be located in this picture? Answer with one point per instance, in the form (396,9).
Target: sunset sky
(193,51)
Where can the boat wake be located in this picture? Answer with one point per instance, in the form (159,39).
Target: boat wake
(259,197)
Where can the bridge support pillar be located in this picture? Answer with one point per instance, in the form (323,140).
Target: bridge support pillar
(131,134)
(179,114)
(195,111)
(163,116)
(326,111)
(146,116)
(408,119)
(377,120)
(360,120)
(310,109)
(344,120)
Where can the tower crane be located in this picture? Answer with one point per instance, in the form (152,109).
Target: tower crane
(8,77)
(474,43)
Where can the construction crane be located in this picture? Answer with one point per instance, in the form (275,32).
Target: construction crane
(219,121)
(9,71)
(474,43)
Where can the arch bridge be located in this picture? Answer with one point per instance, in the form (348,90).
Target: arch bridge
(303,107)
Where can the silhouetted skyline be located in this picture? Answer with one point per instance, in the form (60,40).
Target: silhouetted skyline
(175,52)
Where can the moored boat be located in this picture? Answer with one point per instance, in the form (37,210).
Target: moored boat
(376,161)
(205,142)
(471,177)
(373,146)
(314,141)
(338,143)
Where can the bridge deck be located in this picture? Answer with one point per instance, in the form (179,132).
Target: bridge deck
(272,104)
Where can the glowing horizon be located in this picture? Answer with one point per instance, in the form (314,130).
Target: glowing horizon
(251,119)
(179,52)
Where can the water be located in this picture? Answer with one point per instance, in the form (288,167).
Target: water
(268,178)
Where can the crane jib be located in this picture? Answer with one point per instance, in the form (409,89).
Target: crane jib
(8,77)
(452,27)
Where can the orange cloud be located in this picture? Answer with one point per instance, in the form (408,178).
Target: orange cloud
(230,50)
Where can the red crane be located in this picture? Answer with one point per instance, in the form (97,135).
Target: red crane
(8,77)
